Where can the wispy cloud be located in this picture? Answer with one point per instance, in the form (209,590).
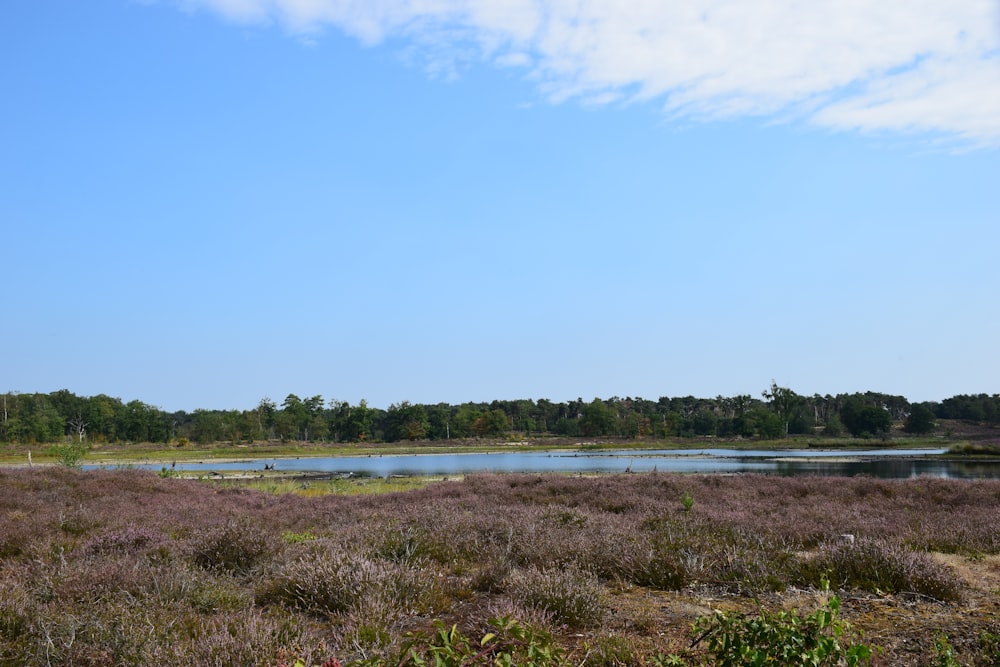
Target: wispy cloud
(896,65)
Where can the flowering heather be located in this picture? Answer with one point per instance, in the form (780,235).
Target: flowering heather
(125,567)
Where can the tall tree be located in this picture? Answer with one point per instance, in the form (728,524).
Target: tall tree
(920,420)
(783,402)
(862,418)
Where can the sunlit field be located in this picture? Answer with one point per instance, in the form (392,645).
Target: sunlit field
(130,568)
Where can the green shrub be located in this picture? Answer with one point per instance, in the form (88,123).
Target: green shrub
(687,501)
(509,644)
(782,638)
(944,654)
(71,454)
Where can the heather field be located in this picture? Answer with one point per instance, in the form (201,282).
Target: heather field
(129,568)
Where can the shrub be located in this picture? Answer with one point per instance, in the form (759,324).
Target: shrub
(572,597)
(409,545)
(237,547)
(687,501)
(944,654)
(660,565)
(71,454)
(876,566)
(241,640)
(319,583)
(336,581)
(16,611)
(782,638)
(509,643)
(491,576)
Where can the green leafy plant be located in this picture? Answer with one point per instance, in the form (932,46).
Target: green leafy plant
(292,537)
(510,643)
(944,654)
(786,638)
(70,455)
(687,501)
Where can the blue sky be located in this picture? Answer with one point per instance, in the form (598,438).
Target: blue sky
(205,202)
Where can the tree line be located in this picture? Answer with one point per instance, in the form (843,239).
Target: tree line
(779,411)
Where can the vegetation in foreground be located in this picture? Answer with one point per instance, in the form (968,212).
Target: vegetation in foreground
(128,568)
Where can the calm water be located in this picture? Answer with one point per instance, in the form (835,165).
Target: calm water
(884,463)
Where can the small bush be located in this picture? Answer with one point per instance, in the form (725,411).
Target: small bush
(242,640)
(783,638)
(944,654)
(491,577)
(876,566)
(71,454)
(319,583)
(237,547)
(687,501)
(658,566)
(337,581)
(572,597)
(408,545)
(509,643)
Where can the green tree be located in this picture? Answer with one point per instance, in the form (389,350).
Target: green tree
(439,421)
(785,403)
(103,414)
(354,424)
(833,426)
(314,426)
(704,422)
(492,423)
(862,418)
(406,421)
(768,425)
(208,426)
(920,420)
(597,419)
(293,422)
(265,418)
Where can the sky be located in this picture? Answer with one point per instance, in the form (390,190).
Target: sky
(208,202)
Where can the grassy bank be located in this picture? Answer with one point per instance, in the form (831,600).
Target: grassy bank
(125,567)
(145,453)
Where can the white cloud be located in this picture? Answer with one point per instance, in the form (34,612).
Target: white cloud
(899,65)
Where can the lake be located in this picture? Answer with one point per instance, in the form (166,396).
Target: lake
(883,463)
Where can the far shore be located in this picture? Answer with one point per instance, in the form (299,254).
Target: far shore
(151,454)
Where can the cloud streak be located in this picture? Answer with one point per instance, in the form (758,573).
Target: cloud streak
(896,65)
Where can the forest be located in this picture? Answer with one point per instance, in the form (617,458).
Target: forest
(59,416)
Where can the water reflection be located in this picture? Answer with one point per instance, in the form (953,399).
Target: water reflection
(883,463)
